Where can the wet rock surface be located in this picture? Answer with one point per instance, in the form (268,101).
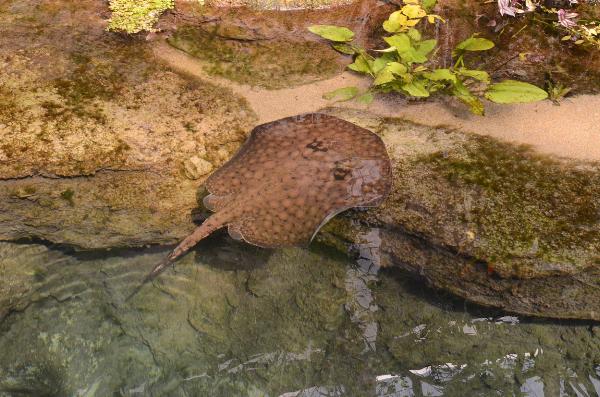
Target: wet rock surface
(492,222)
(92,127)
(265,48)
(103,147)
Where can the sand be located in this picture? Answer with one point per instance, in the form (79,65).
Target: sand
(570,130)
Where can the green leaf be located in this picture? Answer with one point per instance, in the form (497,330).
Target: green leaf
(475,74)
(426,46)
(463,94)
(441,75)
(344,48)
(379,63)
(473,44)
(395,22)
(341,94)
(512,91)
(397,68)
(399,41)
(428,4)
(412,56)
(333,33)
(415,88)
(360,65)
(383,77)
(365,98)
(414,34)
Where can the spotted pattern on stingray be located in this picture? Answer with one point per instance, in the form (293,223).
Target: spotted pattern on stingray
(289,178)
(292,175)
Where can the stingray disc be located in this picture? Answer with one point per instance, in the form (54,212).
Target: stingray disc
(292,175)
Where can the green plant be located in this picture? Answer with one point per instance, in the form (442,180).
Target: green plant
(133,16)
(403,66)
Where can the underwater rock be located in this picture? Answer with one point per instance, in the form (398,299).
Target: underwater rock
(270,49)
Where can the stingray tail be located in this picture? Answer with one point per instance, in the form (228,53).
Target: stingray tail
(210,225)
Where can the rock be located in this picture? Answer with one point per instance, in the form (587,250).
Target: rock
(267,48)
(99,128)
(495,223)
(196,167)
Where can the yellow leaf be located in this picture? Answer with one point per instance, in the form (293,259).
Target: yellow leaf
(565,38)
(432,17)
(413,11)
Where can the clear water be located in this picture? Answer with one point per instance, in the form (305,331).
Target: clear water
(230,319)
(234,320)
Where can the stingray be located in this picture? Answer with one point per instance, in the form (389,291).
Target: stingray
(289,178)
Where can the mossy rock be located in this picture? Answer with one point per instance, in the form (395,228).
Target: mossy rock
(238,55)
(496,223)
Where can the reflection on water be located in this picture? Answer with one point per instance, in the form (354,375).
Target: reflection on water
(232,320)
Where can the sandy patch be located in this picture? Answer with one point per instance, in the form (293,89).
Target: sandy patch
(569,130)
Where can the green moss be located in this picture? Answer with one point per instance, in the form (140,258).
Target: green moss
(267,63)
(530,209)
(68,195)
(133,16)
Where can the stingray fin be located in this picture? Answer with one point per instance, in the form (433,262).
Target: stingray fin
(214,203)
(210,225)
(235,232)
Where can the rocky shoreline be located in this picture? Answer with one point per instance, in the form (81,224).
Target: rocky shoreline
(107,147)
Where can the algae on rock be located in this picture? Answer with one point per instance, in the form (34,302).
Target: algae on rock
(133,16)
(271,63)
(490,221)
(94,107)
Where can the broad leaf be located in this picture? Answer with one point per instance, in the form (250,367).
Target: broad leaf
(413,11)
(441,75)
(414,34)
(333,33)
(428,4)
(383,77)
(412,56)
(426,46)
(474,44)
(416,89)
(512,91)
(341,94)
(399,41)
(475,74)
(465,96)
(344,48)
(360,65)
(380,63)
(365,98)
(397,68)
(395,22)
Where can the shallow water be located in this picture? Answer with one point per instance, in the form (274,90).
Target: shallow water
(234,320)
(229,319)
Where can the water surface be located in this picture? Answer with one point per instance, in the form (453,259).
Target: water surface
(234,320)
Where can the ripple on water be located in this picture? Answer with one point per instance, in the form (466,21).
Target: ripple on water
(235,320)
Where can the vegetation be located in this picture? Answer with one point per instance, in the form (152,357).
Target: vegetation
(131,16)
(405,66)
(581,31)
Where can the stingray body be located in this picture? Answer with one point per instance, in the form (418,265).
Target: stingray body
(289,178)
